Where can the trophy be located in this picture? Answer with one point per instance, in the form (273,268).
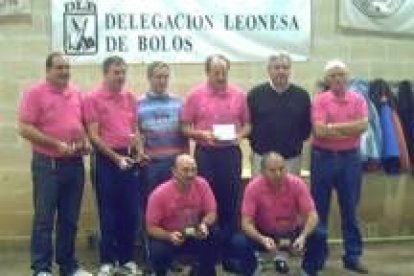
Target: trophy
(282,255)
(190,232)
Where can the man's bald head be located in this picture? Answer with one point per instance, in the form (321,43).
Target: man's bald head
(271,157)
(185,169)
(273,167)
(183,159)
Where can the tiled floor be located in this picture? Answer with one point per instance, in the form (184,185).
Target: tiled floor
(386,259)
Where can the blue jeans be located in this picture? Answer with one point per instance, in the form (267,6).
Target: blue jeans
(340,171)
(162,253)
(156,172)
(57,190)
(117,193)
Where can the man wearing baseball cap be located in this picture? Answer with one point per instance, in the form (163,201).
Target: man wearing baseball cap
(339,117)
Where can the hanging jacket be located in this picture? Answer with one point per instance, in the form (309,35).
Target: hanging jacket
(390,148)
(371,139)
(381,95)
(402,145)
(405,108)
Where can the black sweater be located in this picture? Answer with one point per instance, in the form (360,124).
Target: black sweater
(280,121)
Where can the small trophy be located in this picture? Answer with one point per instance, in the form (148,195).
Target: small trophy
(190,232)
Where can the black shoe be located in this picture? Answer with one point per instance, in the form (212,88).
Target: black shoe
(281,266)
(357,267)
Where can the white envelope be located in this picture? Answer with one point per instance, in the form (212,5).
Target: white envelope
(224,132)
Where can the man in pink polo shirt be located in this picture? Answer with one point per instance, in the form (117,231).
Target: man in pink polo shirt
(216,116)
(276,205)
(179,217)
(50,118)
(110,115)
(339,116)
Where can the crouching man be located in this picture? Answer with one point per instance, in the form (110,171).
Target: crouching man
(179,219)
(278,214)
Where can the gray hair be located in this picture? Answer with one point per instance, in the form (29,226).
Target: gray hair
(211,58)
(281,56)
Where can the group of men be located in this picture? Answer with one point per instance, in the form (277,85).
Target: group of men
(139,150)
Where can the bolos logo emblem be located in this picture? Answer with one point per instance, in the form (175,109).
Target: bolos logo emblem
(80,29)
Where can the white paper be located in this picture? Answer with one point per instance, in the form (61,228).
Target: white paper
(224,132)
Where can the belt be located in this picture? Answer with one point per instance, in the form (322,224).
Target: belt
(54,161)
(122,151)
(330,151)
(217,147)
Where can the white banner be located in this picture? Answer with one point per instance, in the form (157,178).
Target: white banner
(180,31)
(388,16)
(14,7)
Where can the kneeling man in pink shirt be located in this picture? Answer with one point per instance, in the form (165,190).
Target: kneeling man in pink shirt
(278,214)
(179,218)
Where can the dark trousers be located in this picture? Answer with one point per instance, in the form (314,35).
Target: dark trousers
(162,253)
(57,190)
(340,171)
(245,248)
(157,171)
(117,193)
(221,167)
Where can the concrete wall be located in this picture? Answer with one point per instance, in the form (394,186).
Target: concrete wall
(24,43)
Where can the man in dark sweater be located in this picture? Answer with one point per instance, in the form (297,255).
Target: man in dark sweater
(280,115)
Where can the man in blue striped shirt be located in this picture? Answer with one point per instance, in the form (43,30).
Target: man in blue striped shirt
(159,124)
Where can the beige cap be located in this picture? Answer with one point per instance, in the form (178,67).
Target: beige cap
(335,63)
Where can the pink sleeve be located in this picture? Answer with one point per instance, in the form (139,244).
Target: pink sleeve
(249,204)
(317,110)
(29,110)
(89,109)
(154,211)
(304,198)
(209,203)
(245,119)
(188,109)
